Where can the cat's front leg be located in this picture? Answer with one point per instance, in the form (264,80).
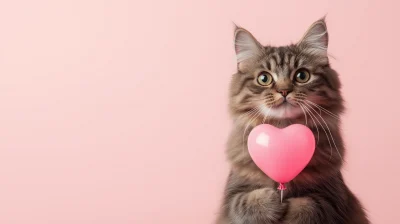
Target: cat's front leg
(310,210)
(260,206)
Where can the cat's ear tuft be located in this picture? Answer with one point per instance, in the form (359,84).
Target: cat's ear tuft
(315,40)
(246,46)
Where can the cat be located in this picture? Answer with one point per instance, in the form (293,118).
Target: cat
(282,86)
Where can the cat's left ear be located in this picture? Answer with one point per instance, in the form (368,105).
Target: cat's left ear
(315,40)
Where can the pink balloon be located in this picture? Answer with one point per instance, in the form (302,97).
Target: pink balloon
(281,153)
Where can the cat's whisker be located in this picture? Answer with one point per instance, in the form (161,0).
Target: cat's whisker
(333,140)
(302,95)
(323,128)
(304,112)
(264,99)
(315,124)
(252,102)
(257,100)
(251,111)
(321,108)
(248,113)
(304,101)
(266,115)
(258,112)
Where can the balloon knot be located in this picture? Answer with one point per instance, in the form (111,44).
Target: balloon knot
(282,186)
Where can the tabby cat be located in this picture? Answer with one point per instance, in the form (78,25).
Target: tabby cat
(282,86)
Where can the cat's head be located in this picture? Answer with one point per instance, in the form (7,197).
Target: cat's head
(283,83)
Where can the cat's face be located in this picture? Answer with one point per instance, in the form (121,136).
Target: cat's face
(282,83)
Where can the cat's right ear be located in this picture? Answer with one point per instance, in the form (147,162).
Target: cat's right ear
(315,40)
(246,47)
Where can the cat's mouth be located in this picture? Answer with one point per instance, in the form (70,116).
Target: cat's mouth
(283,108)
(285,102)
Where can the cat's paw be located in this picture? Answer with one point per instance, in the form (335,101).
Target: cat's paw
(300,210)
(266,204)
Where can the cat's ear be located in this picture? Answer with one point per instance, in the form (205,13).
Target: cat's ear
(315,40)
(246,47)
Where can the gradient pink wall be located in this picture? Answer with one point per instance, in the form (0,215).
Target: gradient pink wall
(116,111)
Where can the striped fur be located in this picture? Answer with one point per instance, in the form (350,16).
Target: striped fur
(318,194)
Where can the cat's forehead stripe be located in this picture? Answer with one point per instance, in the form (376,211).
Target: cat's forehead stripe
(280,57)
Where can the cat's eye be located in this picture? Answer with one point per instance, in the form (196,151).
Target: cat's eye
(264,79)
(302,76)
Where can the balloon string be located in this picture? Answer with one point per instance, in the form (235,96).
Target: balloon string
(281,187)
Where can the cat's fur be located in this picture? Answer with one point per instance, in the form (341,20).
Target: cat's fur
(318,194)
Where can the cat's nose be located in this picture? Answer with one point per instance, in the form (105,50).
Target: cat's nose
(284,92)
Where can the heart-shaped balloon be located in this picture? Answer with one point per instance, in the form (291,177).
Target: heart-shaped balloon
(281,153)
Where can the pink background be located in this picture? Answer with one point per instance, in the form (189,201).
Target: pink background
(116,111)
